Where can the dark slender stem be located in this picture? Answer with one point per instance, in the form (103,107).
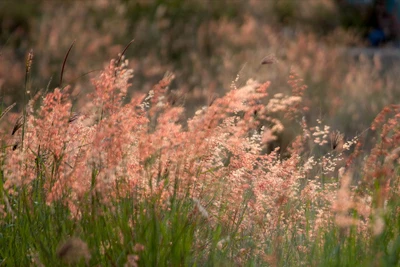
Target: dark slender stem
(123,52)
(65,60)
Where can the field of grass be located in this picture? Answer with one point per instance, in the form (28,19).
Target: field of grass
(204,157)
(136,183)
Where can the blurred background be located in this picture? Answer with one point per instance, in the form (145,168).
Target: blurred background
(346,51)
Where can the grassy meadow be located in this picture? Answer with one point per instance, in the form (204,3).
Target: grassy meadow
(218,137)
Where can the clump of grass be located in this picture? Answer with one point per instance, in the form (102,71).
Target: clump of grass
(137,183)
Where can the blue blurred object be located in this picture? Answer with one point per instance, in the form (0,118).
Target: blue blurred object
(376,37)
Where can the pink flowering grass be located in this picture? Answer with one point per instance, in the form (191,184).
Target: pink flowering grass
(137,173)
